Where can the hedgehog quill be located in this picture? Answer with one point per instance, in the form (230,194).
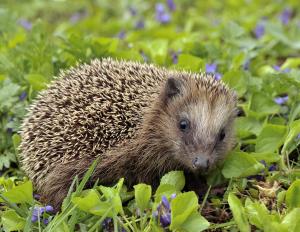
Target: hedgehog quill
(141,120)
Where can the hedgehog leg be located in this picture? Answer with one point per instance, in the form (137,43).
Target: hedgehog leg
(57,183)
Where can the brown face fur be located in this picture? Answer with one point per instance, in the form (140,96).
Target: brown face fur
(197,122)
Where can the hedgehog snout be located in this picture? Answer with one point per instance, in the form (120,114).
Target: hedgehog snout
(201,162)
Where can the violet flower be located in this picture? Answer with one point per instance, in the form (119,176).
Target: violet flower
(212,68)
(272,168)
(25,24)
(163,212)
(298,136)
(107,224)
(22,96)
(259,30)
(174,56)
(281,100)
(246,64)
(38,212)
(140,24)
(161,15)
(171,4)
(285,16)
(121,34)
(278,69)
(78,16)
(132,10)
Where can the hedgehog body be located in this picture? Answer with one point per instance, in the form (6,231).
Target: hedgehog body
(141,120)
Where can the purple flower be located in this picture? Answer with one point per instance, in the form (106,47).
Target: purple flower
(171,5)
(218,76)
(263,162)
(256,177)
(49,208)
(165,202)
(38,212)
(132,10)
(9,130)
(78,16)
(165,220)
(159,8)
(34,218)
(173,196)
(121,34)
(281,100)
(22,96)
(272,168)
(211,68)
(140,24)
(298,136)
(46,221)
(161,15)
(25,24)
(285,16)
(246,64)
(278,69)
(36,196)
(174,56)
(259,30)
(107,224)
(163,212)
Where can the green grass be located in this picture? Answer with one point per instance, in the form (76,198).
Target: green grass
(259,179)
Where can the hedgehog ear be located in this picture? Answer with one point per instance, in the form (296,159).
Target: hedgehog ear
(172,88)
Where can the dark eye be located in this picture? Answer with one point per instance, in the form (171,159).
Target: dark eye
(184,124)
(222,135)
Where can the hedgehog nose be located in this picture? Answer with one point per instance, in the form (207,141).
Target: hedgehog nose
(201,163)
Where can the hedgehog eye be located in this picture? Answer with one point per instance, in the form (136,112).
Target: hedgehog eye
(184,125)
(222,135)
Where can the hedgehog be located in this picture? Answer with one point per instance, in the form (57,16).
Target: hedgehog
(140,120)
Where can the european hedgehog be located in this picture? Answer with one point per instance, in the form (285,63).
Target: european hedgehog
(141,120)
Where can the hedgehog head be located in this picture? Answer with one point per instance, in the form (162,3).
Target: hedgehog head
(197,114)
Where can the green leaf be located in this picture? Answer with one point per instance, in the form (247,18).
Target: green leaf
(16,141)
(292,198)
(181,208)
(292,220)
(190,62)
(270,138)
(247,126)
(175,178)
(164,189)
(266,156)
(37,81)
(291,63)
(257,213)
(241,164)
(239,213)
(195,222)
(20,194)
(294,130)
(12,221)
(87,202)
(237,80)
(263,104)
(142,193)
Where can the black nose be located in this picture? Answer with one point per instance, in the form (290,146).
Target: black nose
(201,162)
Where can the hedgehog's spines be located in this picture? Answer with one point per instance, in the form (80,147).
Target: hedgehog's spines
(107,108)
